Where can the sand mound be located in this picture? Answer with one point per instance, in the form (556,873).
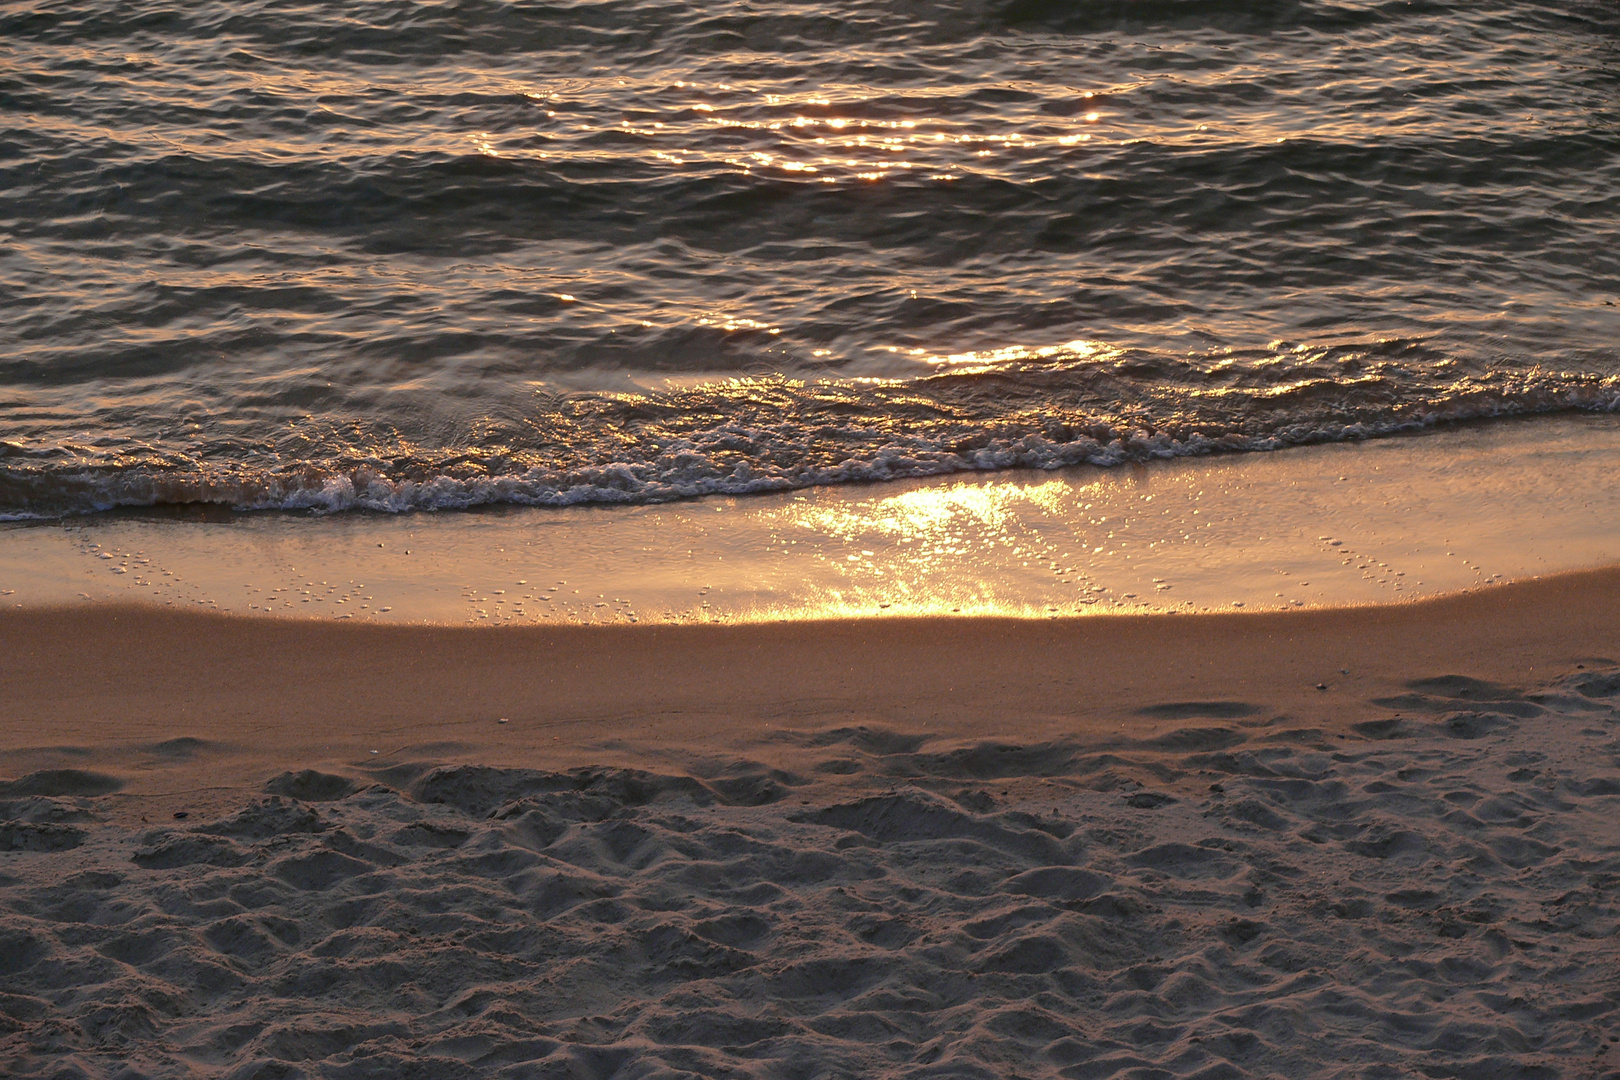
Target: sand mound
(311,786)
(1431,893)
(60,782)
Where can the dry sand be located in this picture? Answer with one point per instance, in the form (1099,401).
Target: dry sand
(1369,842)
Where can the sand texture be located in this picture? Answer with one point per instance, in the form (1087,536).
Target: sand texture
(1225,891)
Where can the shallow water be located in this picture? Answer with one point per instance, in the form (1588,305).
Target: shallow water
(418,254)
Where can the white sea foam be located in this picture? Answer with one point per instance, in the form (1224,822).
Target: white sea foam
(774,459)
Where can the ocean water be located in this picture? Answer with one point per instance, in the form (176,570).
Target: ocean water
(415,254)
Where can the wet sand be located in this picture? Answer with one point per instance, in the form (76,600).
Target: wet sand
(1354,842)
(100,685)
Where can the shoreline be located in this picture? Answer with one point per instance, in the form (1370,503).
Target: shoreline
(1313,527)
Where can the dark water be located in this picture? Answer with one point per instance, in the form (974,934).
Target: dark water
(410,254)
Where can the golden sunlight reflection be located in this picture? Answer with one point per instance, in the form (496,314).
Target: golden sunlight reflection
(883,364)
(906,553)
(986,359)
(828,135)
(934,518)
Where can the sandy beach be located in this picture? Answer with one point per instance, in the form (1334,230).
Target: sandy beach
(1028,540)
(1367,842)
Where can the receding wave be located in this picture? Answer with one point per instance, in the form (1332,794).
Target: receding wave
(770,434)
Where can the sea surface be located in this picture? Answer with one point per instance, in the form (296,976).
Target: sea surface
(409,254)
